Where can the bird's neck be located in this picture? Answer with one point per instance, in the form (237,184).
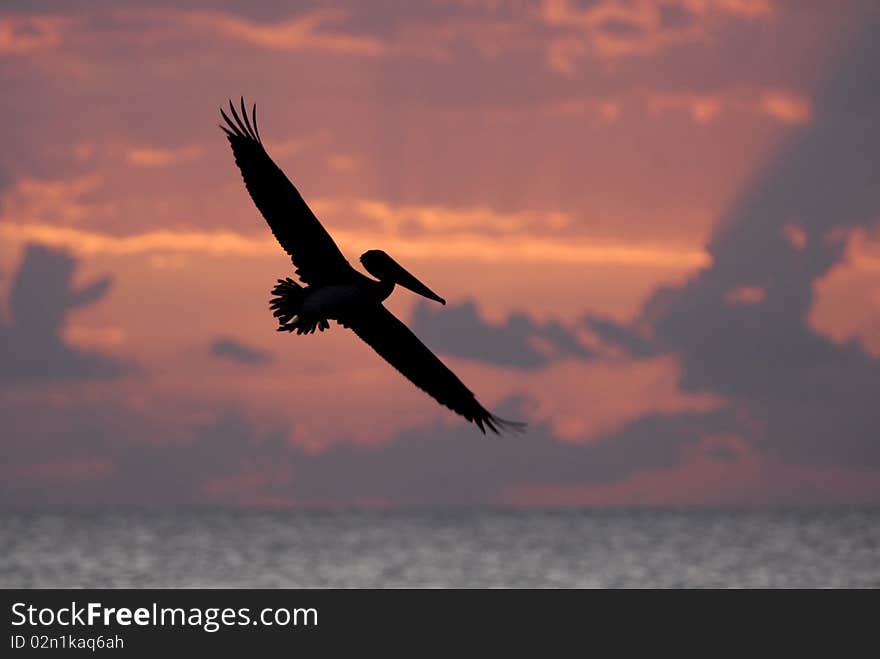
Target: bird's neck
(384,288)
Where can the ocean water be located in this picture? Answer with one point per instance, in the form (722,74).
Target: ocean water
(458,549)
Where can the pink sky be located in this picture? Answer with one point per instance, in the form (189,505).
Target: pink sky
(559,171)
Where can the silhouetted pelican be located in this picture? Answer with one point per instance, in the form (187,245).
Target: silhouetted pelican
(336,291)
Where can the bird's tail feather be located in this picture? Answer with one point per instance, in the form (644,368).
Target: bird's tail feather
(287,300)
(287,306)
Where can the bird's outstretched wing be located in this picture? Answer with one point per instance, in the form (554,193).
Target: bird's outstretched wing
(397,345)
(314,254)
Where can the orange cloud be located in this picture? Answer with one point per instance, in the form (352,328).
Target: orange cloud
(442,219)
(604,110)
(745,8)
(306,32)
(787,107)
(158,157)
(92,242)
(342,163)
(64,201)
(703,108)
(89,337)
(454,247)
(43,211)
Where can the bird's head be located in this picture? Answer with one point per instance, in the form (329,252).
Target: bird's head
(384,268)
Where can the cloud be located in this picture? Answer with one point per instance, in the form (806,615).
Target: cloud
(566,31)
(703,107)
(63,201)
(437,242)
(26,34)
(174,241)
(32,347)
(784,106)
(234,461)
(740,327)
(611,29)
(745,295)
(326,30)
(635,342)
(234,350)
(744,8)
(114,458)
(507,214)
(443,467)
(412,218)
(458,330)
(342,163)
(847,306)
(310,31)
(162,157)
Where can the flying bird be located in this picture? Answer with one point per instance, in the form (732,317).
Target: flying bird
(334,290)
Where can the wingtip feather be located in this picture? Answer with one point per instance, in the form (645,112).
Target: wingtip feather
(237,119)
(247,122)
(242,126)
(503,426)
(230,123)
(256,129)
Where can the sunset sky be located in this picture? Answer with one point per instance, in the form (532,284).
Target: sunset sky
(656,224)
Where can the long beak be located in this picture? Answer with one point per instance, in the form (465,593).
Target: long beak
(406,280)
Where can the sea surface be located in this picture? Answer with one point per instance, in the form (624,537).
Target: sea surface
(451,549)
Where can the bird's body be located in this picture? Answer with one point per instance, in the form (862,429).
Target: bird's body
(325,303)
(334,289)
(337,301)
